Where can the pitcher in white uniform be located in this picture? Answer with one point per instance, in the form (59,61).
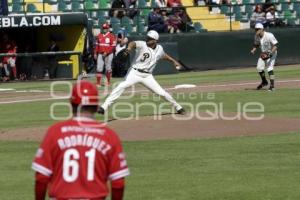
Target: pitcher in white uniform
(146,56)
(268,45)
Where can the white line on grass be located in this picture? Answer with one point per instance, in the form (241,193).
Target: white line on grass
(30,100)
(198,86)
(241,84)
(9,90)
(6,89)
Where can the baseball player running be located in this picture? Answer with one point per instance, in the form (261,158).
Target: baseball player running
(79,156)
(146,56)
(268,44)
(106,44)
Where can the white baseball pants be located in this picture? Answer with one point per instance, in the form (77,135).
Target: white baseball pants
(6,69)
(269,63)
(147,80)
(101,61)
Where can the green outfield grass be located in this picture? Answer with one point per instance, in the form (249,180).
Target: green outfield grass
(219,76)
(240,168)
(213,76)
(282,103)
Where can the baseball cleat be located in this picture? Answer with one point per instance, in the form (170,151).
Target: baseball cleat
(101,111)
(271,89)
(181,111)
(260,86)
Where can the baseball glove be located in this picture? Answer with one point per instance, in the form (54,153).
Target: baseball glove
(125,53)
(265,55)
(122,55)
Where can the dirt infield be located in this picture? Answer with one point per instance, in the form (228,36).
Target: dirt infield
(8,97)
(148,128)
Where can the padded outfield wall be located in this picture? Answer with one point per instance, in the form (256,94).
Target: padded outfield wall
(220,50)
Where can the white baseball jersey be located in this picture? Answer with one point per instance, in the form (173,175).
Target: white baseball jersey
(146,57)
(119,48)
(266,42)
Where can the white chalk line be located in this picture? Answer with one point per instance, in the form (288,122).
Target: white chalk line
(138,91)
(6,89)
(31,100)
(9,90)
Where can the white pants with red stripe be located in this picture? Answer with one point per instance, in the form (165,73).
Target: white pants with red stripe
(147,80)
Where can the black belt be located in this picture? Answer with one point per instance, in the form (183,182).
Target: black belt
(142,71)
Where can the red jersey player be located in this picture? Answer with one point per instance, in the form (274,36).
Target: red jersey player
(105,46)
(9,62)
(79,156)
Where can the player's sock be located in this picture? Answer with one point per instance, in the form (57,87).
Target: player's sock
(6,70)
(108,76)
(14,71)
(263,77)
(272,78)
(98,76)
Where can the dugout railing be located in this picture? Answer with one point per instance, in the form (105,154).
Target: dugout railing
(42,65)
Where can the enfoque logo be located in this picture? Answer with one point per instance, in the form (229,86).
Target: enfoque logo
(149,105)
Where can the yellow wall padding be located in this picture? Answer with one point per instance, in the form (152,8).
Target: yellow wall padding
(70,38)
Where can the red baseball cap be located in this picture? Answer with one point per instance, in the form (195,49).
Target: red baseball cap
(105,26)
(84,93)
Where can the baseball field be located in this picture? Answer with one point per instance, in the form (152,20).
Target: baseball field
(234,143)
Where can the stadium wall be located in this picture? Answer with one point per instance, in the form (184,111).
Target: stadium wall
(220,50)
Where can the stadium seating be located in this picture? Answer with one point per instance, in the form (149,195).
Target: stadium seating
(77,6)
(222,18)
(127,24)
(101,21)
(89,5)
(211,21)
(104,4)
(142,4)
(32,8)
(64,7)
(199,28)
(51,2)
(17,8)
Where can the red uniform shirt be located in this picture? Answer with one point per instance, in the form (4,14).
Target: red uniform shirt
(5,49)
(174,3)
(80,155)
(106,43)
(10,50)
